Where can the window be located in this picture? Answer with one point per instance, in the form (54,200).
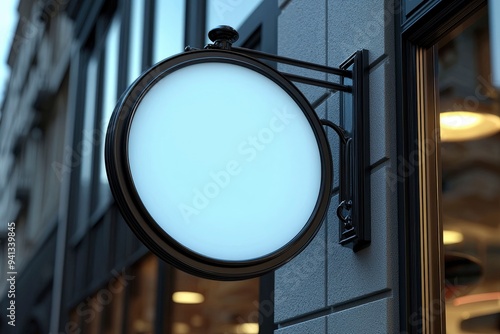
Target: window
(136,32)
(469,110)
(109,98)
(453,171)
(142,297)
(89,140)
(112,314)
(202,306)
(92,318)
(99,84)
(169,21)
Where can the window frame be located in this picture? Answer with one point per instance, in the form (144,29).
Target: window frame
(94,205)
(421,250)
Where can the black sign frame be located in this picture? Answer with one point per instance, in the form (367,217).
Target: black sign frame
(353,146)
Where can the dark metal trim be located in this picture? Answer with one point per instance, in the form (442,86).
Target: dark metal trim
(316,82)
(354,208)
(294,62)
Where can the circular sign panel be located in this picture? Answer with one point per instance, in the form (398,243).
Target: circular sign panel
(219,164)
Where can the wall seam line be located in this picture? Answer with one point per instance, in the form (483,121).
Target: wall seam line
(329,310)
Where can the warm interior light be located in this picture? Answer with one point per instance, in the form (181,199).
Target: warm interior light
(187,297)
(452,237)
(466,125)
(181,328)
(196,320)
(248,328)
(477,298)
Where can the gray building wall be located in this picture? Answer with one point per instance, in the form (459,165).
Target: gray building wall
(32,129)
(328,288)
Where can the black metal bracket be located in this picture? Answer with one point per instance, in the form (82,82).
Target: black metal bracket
(353,209)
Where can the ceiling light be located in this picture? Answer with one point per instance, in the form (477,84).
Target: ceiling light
(187,297)
(478,298)
(248,328)
(452,237)
(466,125)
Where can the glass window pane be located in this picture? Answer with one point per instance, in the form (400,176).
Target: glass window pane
(88,122)
(112,313)
(91,318)
(168,28)
(135,39)
(142,297)
(229,12)
(202,306)
(89,140)
(469,109)
(111,59)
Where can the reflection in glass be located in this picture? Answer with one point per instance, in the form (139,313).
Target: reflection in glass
(470,179)
(91,319)
(88,121)
(467,125)
(229,12)
(142,297)
(227,307)
(88,142)
(112,314)
(135,39)
(110,91)
(168,38)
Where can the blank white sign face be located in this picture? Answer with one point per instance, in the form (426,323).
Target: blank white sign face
(225,161)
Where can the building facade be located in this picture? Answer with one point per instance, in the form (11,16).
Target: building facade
(80,269)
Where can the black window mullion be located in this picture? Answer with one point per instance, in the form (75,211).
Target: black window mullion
(148,34)
(94,192)
(78,140)
(195,23)
(124,10)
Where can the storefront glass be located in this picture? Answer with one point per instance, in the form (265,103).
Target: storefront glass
(202,306)
(469,116)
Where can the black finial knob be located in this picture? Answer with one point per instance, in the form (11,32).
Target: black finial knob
(223,36)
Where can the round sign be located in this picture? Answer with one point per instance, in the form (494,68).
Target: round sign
(219,164)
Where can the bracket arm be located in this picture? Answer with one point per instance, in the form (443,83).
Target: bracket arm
(294,62)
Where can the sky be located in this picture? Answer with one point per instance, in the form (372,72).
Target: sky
(8,21)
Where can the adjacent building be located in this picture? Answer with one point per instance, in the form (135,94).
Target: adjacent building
(434,114)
